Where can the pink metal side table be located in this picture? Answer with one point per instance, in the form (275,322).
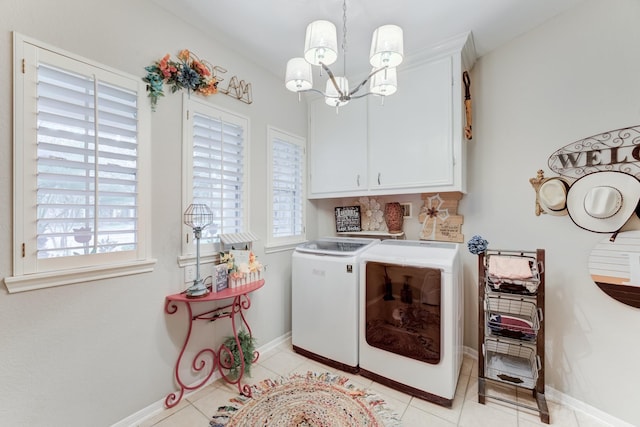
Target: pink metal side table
(222,357)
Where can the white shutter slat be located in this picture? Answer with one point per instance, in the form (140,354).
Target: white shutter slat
(82,108)
(61,120)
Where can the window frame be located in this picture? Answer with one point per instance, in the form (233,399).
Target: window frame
(282,243)
(208,253)
(28,273)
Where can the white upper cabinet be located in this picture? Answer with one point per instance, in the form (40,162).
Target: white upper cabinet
(337,148)
(410,136)
(413,143)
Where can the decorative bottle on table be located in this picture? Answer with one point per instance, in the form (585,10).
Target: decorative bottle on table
(394,217)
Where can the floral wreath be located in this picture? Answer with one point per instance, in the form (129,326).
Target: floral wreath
(188,72)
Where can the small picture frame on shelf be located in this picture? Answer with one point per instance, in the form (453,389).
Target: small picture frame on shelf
(220,279)
(348,219)
(240,257)
(407,211)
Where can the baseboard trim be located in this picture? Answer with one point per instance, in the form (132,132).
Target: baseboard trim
(551,394)
(555,396)
(157,407)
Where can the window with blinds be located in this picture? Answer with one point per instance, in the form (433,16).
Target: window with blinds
(81,170)
(216,172)
(86,165)
(287,187)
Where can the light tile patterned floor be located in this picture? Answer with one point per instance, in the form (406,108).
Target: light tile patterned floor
(196,409)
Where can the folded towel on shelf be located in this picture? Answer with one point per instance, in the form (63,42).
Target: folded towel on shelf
(513,285)
(500,322)
(509,267)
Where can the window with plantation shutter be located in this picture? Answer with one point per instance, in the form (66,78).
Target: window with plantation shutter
(215,170)
(287,188)
(87,165)
(80,141)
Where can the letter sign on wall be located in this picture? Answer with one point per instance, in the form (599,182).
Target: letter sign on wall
(616,150)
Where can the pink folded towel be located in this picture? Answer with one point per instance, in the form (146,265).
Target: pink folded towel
(509,267)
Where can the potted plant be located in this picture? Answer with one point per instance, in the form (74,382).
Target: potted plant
(247,345)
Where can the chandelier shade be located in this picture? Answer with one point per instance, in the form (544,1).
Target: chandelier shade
(321,43)
(320,49)
(332,97)
(299,75)
(384,83)
(387,47)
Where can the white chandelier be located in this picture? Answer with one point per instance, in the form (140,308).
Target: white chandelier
(320,49)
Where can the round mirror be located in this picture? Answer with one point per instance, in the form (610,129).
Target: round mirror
(615,267)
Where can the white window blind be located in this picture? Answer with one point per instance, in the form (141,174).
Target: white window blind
(86,165)
(215,172)
(287,171)
(81,170)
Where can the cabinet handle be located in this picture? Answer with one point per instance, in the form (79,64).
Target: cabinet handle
(358,180)
(540,315)
(378,178)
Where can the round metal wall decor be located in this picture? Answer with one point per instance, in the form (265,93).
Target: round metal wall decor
(615,267)
(615,150)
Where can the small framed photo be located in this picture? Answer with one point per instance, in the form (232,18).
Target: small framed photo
(407,208)
(348,219)
(220,281)
(240,256)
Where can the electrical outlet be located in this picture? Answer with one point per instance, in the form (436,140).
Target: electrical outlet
(189,273)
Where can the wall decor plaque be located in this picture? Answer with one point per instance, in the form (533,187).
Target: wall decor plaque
(347,219)
(615,267)
(615,150)
(439,217)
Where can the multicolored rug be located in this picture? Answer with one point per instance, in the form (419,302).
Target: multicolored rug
(309,400)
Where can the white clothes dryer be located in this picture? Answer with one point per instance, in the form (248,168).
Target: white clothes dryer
(411,317)
(324,299)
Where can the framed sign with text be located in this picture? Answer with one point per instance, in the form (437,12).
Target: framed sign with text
(348,219)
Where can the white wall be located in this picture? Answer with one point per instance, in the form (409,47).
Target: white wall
(95,353)
(575,76)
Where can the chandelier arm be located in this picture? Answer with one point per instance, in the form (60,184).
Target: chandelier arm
(312,90)
(332,78)
(366,94)
(322,93)
(364,82)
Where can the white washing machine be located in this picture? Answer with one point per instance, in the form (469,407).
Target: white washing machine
(324,288)
(411,317)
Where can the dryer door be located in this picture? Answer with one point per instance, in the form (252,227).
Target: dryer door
(402,310)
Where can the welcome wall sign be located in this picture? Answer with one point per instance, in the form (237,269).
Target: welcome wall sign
(614,264)
(616,150)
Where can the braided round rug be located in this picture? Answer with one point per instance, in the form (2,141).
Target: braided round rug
(309,400)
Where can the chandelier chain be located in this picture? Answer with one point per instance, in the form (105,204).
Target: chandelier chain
(344,25)
(344,38)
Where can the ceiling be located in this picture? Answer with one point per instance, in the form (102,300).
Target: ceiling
(272,31)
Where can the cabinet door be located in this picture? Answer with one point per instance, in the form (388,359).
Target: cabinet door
(410,136)
(337,148)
